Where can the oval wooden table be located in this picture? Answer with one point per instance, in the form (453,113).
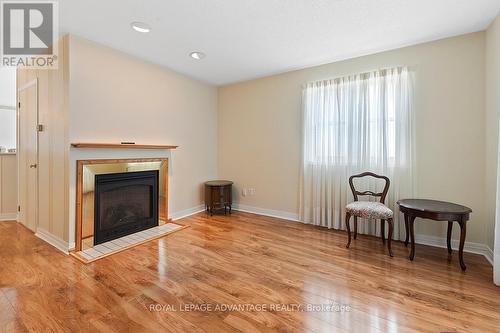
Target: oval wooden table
(438,211)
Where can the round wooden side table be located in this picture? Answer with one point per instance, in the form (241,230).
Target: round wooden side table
(218,195)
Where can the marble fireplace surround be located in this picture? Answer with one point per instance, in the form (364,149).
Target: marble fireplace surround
(91,160)
(86,172)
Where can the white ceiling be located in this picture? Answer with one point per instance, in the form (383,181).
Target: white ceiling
(245,39)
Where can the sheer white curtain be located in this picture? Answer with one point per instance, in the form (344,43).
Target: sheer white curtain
(354,124)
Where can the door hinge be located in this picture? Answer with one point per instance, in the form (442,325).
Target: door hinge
(19,104)
(40,128)
(18,208)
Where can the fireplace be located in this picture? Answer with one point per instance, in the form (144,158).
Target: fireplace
(115,198)
(124,203)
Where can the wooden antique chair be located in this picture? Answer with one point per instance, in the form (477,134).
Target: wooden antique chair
(369,209)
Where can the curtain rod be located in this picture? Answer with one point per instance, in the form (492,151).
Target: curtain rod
(410,68)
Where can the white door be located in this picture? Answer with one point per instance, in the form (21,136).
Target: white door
(28,154)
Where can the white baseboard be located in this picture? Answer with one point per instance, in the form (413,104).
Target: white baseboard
(266,212)
(8,217)
(239,207)
(52,240)
(65,246)
(187,212)
(470,247)
(419,239)
(496,270)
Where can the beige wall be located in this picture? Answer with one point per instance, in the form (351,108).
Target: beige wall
(102,95)
(8,186)
(115,97)
(492,113)
(260,128)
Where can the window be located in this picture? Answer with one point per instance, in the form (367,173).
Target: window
(7,108)
(358,120)
(7,128)
(354,124)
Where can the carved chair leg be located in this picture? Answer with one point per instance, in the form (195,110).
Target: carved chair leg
(355,227)
(382,230)
(389,238)
(347,218)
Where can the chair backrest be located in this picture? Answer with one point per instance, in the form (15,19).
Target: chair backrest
(382,194)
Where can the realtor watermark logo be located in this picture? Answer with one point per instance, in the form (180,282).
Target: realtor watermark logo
(29,30)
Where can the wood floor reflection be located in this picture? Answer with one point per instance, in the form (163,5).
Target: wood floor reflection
(243,259)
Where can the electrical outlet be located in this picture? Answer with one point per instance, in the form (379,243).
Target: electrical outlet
(244,192)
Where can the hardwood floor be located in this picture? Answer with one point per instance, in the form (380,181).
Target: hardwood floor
(243,259)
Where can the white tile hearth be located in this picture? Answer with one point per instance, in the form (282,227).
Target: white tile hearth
(123,243)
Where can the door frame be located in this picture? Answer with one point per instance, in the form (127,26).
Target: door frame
(25,86)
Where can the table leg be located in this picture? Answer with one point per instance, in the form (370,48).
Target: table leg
(411,222)
(448,239)
(406,229)
(463,231)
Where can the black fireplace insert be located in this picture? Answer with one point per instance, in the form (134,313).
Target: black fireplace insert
(124,203)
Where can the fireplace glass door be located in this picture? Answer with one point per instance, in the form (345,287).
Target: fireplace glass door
(124,203)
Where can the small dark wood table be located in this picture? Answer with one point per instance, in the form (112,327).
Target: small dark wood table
(438,211)
(218,195)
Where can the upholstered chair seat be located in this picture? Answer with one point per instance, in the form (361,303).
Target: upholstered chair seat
(369,210)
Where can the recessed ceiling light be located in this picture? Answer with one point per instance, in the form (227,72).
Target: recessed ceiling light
(197,55)
(140,27)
